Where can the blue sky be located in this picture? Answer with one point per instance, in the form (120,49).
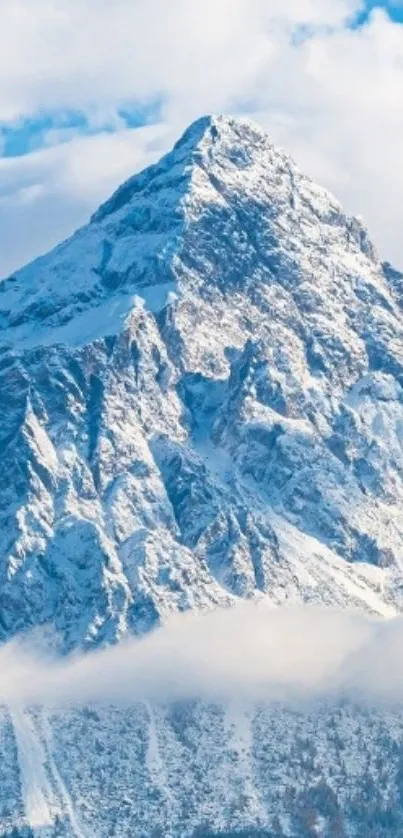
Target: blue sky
(26,135)
(395,10)
(92,90)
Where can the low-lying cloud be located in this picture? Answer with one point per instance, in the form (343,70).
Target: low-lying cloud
(252,652)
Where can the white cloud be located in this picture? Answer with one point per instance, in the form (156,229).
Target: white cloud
(333,98)
(95,53)
(251,651)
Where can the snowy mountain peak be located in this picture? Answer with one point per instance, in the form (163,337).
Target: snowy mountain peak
(206,139)
(211,132)
(223,185)
(201,400)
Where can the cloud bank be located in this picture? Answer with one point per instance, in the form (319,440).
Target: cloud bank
(252,652)
(327,90)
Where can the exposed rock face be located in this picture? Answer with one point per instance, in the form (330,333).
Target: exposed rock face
(201,399)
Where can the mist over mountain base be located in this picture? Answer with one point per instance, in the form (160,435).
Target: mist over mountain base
(248,721)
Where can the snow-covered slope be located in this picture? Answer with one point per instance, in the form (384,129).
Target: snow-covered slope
(196,771)
(201,399)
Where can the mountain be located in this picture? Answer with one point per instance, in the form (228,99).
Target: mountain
(201,400)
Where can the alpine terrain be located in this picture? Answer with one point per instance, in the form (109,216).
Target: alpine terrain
(201,400)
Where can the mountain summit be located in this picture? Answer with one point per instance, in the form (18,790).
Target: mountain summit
(200,401)
(223,171)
